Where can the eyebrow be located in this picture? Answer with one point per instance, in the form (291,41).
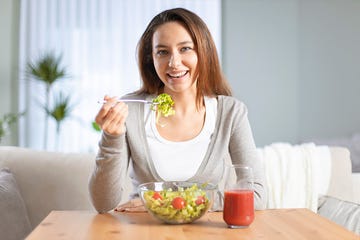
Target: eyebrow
(179,44)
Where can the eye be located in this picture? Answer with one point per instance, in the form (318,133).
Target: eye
(185,49)
(162,52)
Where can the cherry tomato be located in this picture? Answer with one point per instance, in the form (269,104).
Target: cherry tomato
(157,196)
(200,200)
(178,203)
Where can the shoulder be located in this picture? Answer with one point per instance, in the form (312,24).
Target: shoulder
(229,103)
(231,111)
(135,95)
(232,115)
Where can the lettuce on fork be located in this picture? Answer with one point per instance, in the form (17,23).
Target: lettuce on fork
(163,104)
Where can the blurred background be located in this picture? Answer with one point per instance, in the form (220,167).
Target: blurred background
(295,64)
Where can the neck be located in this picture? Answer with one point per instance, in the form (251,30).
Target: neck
(184,102)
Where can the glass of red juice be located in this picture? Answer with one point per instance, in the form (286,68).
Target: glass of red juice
(238,209)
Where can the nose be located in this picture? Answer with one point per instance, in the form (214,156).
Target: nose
(174,60)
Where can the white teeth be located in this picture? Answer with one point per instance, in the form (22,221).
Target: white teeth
(178,75)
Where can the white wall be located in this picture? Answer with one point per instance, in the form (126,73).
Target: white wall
(329,68)
(260,59)
(295,63)
(9,12)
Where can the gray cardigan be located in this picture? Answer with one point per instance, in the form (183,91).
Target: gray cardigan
(232,141)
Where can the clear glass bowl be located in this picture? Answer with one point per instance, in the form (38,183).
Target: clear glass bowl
(177,202)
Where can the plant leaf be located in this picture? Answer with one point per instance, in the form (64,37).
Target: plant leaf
(61,108)
(46,69)
(96,126)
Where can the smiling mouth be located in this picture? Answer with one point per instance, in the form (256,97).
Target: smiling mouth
(177,75)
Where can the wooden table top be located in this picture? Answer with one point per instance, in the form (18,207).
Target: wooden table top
(268,224)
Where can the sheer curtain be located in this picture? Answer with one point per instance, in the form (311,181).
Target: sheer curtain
(97,41)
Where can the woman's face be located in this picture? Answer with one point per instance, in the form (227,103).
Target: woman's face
(175,58)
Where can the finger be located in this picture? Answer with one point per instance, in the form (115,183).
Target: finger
(115,120)
(109,106)
(124,206)
(110,102)
(134,205)
(122,116)
(137,209)
(117,112)
(136,202)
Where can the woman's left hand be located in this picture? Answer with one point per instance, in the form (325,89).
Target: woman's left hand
(134,205)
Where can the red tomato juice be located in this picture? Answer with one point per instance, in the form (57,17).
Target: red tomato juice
(239,207)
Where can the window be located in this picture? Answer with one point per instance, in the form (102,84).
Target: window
(97,41)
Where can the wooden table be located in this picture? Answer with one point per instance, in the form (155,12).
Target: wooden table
(269,224)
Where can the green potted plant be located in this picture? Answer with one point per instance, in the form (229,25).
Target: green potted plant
(48,70)
(6,121)
(60,111)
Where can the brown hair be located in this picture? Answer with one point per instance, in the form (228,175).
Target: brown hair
(210,82)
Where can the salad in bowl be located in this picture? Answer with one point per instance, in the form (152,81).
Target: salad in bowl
(177,202)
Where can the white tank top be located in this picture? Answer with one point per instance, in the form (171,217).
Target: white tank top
(179,161)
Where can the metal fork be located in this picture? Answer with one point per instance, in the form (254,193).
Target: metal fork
(131,100)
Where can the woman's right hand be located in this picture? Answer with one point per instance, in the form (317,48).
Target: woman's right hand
(112,116)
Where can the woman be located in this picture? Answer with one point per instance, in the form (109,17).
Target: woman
(177,56)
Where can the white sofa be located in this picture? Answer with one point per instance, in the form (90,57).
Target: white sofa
(59,181)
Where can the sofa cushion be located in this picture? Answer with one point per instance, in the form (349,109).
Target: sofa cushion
(14,221)
(351,142)
(49,180)
(344,213)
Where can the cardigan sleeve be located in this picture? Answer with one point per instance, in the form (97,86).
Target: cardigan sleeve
(243,151)
(105,183)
